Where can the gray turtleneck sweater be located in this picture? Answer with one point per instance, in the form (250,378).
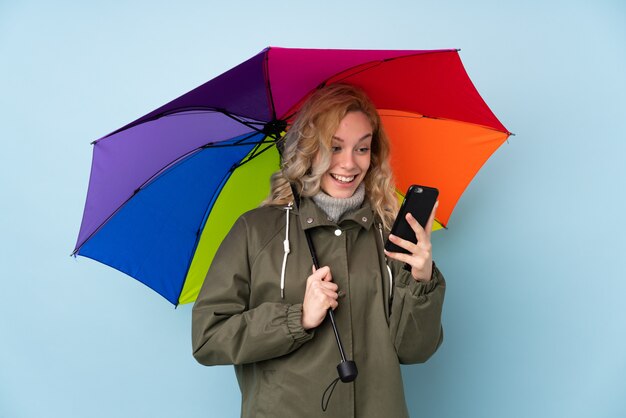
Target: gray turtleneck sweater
(335,207)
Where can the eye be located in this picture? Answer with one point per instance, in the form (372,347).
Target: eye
(334,149)
(363,150)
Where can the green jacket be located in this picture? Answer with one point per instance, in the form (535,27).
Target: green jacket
(240,318)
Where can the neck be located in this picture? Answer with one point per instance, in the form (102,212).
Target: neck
(335,207)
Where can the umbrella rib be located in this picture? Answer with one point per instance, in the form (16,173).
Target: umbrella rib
(376,63)
(272,134)
(255,154)
(268,86)
(251,155)
(176,111)
(420,116)
(373,64)
(238,143)
(205,218)
(347,74)
(237,118)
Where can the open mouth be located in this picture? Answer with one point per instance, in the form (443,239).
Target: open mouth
(343,179)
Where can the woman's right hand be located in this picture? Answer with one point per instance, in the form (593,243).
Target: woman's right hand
(320,295)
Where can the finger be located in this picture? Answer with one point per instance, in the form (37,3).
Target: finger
(321,272)
(330,294)
(431,219)
(405,258)
(420,234)
(400,242)
(319,287)
(323,302)
(414,260)
(324,286)
(328,277)
(317,276)
(333,287)
(328,302)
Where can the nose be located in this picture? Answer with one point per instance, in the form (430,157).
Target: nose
(347,160)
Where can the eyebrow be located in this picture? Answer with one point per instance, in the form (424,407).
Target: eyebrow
(360,139)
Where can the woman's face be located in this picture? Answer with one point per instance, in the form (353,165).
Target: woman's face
(351,151)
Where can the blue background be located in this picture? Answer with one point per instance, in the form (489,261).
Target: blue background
(534,319)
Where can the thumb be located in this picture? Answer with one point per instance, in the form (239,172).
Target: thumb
(326,275)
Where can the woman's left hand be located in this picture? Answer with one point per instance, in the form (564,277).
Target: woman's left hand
(421,255)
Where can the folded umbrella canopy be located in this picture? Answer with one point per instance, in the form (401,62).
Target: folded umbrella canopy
(166,188)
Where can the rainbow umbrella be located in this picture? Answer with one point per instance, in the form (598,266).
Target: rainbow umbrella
(165,189)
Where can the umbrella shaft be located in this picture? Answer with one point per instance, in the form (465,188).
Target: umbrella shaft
(316,263)
(331,316)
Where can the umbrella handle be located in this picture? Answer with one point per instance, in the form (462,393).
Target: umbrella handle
(347,368)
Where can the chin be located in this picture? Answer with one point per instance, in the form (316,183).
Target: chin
(339,192)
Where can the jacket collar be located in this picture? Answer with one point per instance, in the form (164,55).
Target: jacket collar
(311,215)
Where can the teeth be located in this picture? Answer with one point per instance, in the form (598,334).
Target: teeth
(342,178)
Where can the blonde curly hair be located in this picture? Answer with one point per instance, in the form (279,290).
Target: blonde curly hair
(310,136)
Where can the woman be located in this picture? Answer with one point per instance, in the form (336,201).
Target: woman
(262,306)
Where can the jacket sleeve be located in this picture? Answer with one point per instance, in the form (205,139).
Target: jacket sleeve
(224,329)
(415,321)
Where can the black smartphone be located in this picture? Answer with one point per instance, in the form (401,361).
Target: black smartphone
(419,201)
